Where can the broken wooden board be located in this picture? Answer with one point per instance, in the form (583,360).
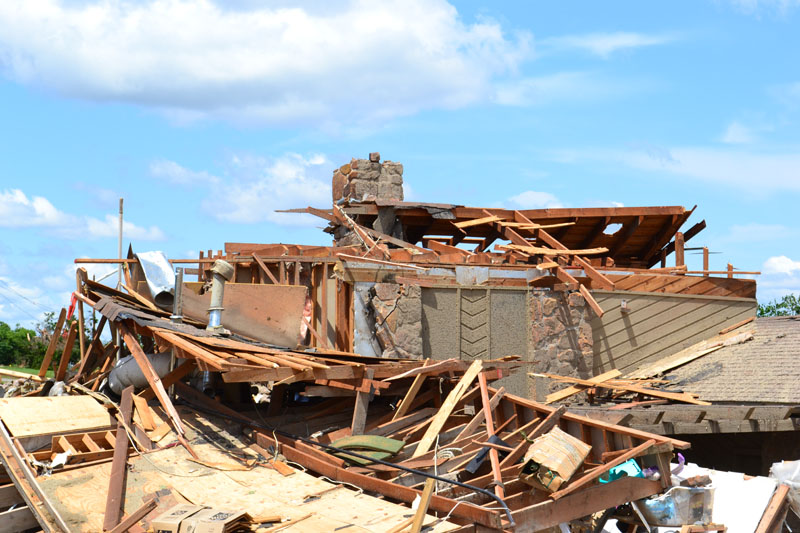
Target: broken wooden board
(569,391)
(25,417)
(268,313)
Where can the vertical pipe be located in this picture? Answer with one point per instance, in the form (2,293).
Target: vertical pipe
(119,275)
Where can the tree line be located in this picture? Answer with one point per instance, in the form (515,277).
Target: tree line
(25,347)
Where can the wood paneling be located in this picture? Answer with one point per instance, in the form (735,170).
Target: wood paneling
(658,325)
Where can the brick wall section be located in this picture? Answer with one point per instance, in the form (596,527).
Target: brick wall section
(561,335)
(398,319)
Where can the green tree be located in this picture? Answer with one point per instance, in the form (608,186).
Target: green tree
(18,346)
(786,306)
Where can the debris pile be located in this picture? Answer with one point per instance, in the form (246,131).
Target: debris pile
(399,380)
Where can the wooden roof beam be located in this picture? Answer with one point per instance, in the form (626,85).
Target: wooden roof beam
(625,235)
(669,248)
(597,230)
(598,278)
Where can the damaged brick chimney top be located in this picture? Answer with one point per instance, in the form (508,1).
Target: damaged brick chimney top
(368,180)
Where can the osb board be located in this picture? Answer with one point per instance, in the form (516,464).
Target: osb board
(81,494)
(25,417)
(268,313)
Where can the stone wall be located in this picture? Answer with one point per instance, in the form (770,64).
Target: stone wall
(561,334)
(368,180)
(398,319)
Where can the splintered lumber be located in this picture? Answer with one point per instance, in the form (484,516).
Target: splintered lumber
(678,397)
(408,399)
(61,373)
(775,512)
(477,221)
(152,377)
(597,472)
(425,501)
(591,301)
(569,391)
(480,416)
(132,519)
(360,410)
(116,484)
(494,457)
(438,421)
(176,375)
(266,270)
(51,348)
(540,250)
(23,375)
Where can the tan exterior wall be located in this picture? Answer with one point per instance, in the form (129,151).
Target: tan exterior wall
(658,325)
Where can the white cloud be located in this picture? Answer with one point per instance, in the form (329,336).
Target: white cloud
(559,87)
(756,7)
(535,200)
(738,133)
(19,211)
(754,233)
(771,171)
(781,265)
(365,60)
(787,94)
(176,174)
(109,227)
(780,276)
(254,187)
(605,44)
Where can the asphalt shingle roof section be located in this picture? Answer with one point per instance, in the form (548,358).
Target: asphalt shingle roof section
(765,369)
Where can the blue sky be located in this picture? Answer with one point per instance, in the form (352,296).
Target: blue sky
(206,116)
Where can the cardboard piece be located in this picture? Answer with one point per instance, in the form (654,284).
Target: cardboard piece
(552,459)
(217,521)
(170,521)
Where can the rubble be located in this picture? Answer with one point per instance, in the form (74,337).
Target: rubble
(398,380)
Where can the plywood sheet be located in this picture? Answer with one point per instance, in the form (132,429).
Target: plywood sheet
(268,313)
(25,417)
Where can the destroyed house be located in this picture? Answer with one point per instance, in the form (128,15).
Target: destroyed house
(402,378)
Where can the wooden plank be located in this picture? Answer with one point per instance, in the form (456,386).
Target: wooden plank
(737,325)
(16,520)
(9,495)
(116,484)
(395,491)
(151,377)
(437,422)
(144,412)
(569,391)
(132,519)
(597,472)
(21,375)
(61,373)
(265,269)
(598,311)
(408,399)
(477,221)
(494,456)
(51,348)
(422,509)
(680,397)
(360,409)
(539,250)
(480,416)
(772,518)
(25,417)
(597,498)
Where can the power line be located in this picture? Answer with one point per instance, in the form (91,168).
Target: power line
(9,287)
(17,306)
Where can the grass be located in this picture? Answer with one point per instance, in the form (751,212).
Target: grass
(25,370)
